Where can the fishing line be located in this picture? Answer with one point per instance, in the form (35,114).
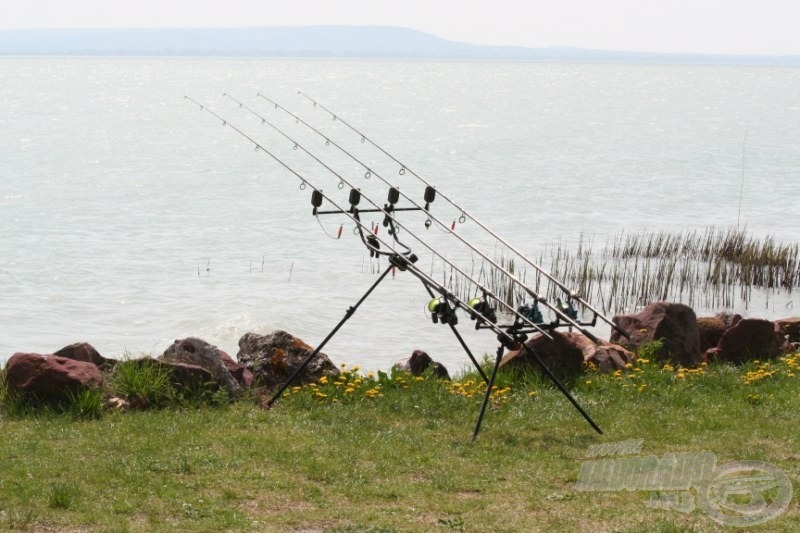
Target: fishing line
(388,214)
(404,168)
(445,228)
(404,258)
(406,262)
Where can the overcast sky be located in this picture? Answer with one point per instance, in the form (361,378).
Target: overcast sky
(712,26)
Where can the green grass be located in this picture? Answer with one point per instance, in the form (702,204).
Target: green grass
(393,453)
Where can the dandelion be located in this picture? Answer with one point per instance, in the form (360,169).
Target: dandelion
(588,381)
(324,380)
(532,394)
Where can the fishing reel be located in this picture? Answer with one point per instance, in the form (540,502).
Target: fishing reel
(481,309)
(442,312)
(567,309)
(531,312)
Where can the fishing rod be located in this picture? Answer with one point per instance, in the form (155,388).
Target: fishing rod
(572,295)
(406,262)
(560,313)
(388,214)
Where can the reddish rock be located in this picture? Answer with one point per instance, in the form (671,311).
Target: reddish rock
(419,362)
(273,358)
(197,352)
(609,357)
(568,353)
(711,330)
(83,351)
(50,378)
(564,355)
(672,323)
(730,319)
(751,338)
(243,376)
(790,327)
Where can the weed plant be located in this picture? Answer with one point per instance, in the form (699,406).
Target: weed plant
(393,451)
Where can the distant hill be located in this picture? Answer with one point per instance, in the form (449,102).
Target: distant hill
(318,41)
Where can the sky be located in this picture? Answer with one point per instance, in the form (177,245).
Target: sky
(760,27)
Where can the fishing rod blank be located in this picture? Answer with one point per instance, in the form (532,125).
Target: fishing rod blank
(404,168)
(560,314)
(386,213)
(406,262)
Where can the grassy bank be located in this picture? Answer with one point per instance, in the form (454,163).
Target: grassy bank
(393,453)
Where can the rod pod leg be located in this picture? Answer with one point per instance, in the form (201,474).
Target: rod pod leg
(313,354)
(489,387)
(530,351)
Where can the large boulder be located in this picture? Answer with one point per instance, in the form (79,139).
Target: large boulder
(419,362)
(750,338)
(674,324)
(711,330)
(50,378)
(789,327)
(273,358)
(83,351)
(568,353)
(197,352)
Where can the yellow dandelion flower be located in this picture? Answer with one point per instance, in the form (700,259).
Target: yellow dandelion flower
(588,381)
(323,380)
(532,393)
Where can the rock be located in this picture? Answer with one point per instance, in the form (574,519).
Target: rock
(83,351)
(419,362)
(243,376)
(273,358)
(568,354)
(50,378)
(197,352)
(750,338)
(564,355)
(711,330)
(729,319)
(790,327)
(608,357)
(672,323)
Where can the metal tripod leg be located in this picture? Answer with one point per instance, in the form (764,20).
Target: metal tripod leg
(530,351)
(562,388)
(489,387)
(313,354)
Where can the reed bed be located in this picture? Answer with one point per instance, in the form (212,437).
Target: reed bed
(713,269)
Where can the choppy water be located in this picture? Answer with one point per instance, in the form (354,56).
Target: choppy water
(129,218)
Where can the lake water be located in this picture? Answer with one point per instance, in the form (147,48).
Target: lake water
(129,218)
